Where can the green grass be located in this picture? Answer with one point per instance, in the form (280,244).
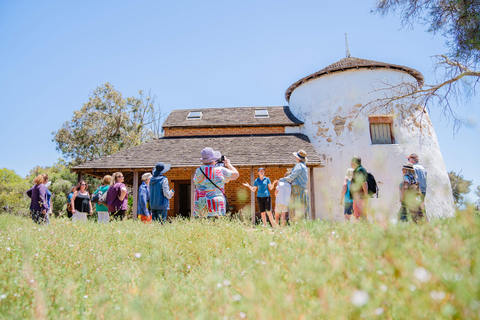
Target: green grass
(229,270)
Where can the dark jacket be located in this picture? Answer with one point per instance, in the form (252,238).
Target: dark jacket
(158,200)
(38,194)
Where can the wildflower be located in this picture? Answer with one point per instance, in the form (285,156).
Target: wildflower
(3,296)
(264,263)
(333,232)
(437,295)
(413,288)
(242,315)
(422,275)
(380,272)
(226,283)
(379,311)
(8,249)
(273,244)
(237,297)
(383,287)
(85,296)
(219,285)
(359,298)
(138,255)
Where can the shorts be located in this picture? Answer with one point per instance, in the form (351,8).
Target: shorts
(348,208)
(281,207)
(264,204)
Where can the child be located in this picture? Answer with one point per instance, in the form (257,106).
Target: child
(282,199)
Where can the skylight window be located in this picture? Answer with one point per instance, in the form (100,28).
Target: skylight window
(194,115)
(261,113)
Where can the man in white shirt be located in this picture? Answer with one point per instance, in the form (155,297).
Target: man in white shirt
(421,174)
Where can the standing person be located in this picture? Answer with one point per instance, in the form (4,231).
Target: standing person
(299,205)
(263,185)
(69,203)
(282,199)
(38,204)
(347,195)
(421,174)
(117,197)
(409,195)
(101,208)
(49,199)
(81,203)
(359,189)
(160,193)
(210,180)
(144,198)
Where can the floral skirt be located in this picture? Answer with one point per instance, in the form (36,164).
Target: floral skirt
(39,217)
(299,204)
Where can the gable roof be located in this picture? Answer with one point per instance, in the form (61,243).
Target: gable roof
(242,150)
(353,63)
(227,117)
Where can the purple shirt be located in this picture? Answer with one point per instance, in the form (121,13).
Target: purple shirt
(38,194)
(113,202)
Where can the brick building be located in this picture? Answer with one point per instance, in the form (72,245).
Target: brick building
(251,137)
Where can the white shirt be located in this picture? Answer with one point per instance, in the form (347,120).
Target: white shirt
(284,190)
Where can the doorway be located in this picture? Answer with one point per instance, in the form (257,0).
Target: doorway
(183,196)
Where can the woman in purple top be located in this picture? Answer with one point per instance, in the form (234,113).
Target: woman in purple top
(38,194)
(117,197)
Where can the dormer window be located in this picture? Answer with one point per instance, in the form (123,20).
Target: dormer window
(261,113)
(381,129)
(194,115)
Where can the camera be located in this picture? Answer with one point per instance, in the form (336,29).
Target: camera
(221,162)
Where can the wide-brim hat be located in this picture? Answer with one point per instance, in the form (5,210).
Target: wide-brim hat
(209,155)
(408,166)
(301,155)
(48,184)
(160,168)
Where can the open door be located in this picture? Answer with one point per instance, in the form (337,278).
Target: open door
(182,198)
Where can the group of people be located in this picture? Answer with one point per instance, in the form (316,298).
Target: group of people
(291,193)
(412,190)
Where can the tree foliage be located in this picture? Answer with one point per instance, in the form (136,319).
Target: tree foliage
(106,124)
(459,22)
(12,192)
(460,187)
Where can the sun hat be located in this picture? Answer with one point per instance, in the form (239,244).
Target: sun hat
(146,176)
(48,184)
(160,168)
(408,166)
(349,174)
(301,155)
(209,155)
(414,156)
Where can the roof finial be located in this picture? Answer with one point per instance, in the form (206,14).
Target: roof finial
(347,49)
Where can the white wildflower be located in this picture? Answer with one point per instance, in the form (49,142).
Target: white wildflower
(237,297)
(219,285)
(458,276)
(273,244)
(8,249)
(422,274)
(226,283)
(379,311)
(242,315)
(413,288)
(264,263)
(85,296)
(359,298)
(138,255)
(437,295)
(333,232)
(383,287)
(380,272)
(3,296)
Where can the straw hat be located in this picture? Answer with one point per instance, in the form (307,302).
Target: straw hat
(301,155)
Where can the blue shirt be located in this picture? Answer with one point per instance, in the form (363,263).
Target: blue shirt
(348,195)
(143,199)
(299,175)
(421,177)
(262,187)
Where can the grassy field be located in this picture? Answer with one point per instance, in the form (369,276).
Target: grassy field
(229,270)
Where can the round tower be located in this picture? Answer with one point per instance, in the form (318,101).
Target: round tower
(341,116)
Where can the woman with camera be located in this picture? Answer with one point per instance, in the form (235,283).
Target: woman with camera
(210,180)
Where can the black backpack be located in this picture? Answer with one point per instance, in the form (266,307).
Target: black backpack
(372,185)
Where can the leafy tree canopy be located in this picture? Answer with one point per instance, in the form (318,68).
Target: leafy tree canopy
(106,124)
(459,22)
(460,187)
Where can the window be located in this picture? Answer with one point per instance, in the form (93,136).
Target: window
(381,129)
(261,113)
(194,115)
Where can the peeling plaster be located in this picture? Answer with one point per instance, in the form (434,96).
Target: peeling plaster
(339,124)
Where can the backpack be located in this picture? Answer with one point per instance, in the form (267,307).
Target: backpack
(372,185)
(97,196)
(69,207)
(103,198)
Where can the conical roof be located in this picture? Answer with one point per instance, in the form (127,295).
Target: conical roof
(353,63)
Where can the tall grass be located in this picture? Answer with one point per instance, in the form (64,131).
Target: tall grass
(229,270)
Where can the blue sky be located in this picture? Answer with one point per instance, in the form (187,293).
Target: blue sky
(193,54)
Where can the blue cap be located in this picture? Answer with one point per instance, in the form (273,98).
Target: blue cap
(261,168)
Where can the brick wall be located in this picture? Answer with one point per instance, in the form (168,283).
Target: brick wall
(189,131)
(238,196)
